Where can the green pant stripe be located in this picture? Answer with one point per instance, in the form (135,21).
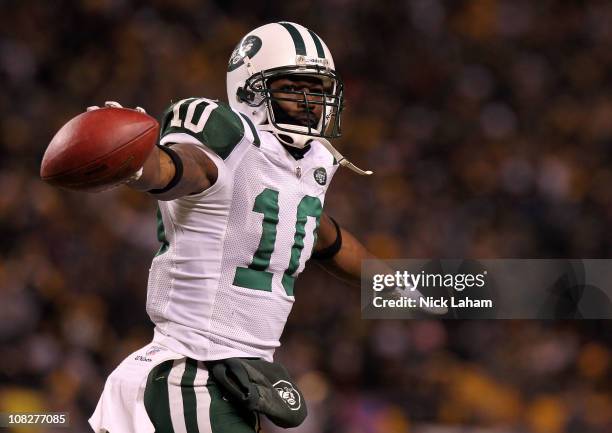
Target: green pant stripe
(298,41)
(156,399)
(190,407)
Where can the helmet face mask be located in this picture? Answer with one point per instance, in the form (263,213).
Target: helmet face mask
(286,51)
(257,92)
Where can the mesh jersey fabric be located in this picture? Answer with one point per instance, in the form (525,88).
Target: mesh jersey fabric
(223,287)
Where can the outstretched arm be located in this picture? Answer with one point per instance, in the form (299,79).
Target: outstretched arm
(171,171)
(346,262)
(196,173)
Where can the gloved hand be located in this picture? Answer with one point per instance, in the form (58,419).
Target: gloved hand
(113,104)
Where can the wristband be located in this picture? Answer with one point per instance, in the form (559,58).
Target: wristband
(178,170)
(330,251)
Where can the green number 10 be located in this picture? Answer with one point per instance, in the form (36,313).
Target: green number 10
(256,275)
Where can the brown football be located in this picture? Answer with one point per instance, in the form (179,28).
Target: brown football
(98,149)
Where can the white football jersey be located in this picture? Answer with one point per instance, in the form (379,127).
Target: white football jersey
(222,284)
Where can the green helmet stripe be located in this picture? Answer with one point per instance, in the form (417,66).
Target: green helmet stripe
(318,44)
(298,41)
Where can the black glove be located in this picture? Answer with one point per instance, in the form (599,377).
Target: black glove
(261,386)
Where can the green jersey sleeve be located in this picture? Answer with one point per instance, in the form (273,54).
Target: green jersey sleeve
(212,123)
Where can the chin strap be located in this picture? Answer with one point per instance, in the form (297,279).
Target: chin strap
(341,159)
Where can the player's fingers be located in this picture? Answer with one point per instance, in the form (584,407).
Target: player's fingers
(135,176)
(93,107)
(113,104)
(141,110)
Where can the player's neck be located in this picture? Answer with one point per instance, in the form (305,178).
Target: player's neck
(296,153)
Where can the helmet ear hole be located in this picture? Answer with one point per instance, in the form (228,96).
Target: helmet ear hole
(245,95)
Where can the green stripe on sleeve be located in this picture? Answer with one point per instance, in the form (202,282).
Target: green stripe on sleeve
(223,131)
(318,44)
(298,41)
(156,399)
(190,407)
(253,130)
(212,123)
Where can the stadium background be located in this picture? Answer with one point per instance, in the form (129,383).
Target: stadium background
(488,125)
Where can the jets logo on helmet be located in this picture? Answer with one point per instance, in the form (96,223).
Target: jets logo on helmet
(248,47)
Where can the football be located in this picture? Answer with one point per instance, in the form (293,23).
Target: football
(98,149)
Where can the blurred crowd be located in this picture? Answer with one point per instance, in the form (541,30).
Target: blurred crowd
(488,124)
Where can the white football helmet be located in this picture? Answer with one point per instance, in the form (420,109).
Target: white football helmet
(278,50)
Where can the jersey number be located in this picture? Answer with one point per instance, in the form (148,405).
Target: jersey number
(191,108)
(256,275)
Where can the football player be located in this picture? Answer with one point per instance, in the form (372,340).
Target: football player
(241,191)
